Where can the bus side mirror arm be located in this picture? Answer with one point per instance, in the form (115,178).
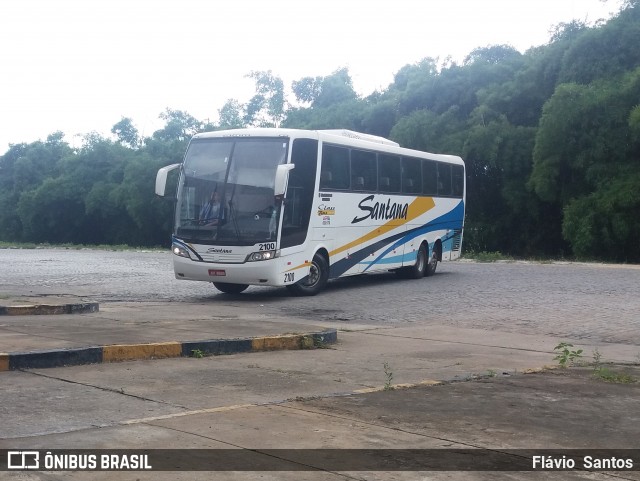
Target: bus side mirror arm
(282,177)
(161,178)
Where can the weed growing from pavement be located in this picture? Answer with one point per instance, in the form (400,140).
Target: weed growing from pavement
(314,342)
(607,375)
(565,355)
(388,377)
(197,353)
(320,343)
(597,359)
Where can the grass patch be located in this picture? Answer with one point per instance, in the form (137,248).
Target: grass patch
(608,375)
(487,256)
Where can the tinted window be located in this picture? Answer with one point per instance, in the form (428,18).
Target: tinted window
(429,177)
(411,176)
(363,170)
(388,173)
(335,167)
(457,180)
(444,179)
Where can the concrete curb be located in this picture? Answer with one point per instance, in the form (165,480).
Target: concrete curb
(49,309)
(130,352)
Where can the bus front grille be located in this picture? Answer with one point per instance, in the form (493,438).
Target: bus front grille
(224,258)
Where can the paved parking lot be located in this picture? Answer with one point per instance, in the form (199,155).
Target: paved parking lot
(591,302)
(461,340)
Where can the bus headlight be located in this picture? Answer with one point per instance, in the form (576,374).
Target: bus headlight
(180,251)
(262,256)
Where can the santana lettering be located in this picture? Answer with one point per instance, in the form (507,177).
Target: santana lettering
(380,210)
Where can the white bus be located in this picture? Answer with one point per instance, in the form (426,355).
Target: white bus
(299,207)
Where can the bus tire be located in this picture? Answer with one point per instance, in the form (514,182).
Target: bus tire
(417,271)
(228,288)
(433,261)
(315,281)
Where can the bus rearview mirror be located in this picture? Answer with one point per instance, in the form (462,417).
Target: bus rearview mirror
(282,176)
(161,178)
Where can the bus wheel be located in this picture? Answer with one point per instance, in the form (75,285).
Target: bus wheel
(315,281)
(230,288)
(433,262)
(418,269)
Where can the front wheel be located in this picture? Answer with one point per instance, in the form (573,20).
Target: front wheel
(228,288)
(315,281)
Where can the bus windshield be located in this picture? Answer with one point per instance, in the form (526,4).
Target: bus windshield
(226,191)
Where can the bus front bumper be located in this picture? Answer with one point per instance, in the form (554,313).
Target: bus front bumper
(262,273)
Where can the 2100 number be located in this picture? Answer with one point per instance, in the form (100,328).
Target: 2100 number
(269,246)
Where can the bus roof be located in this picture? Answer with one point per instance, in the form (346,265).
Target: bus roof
(360,136)
(250,132)
(327,135)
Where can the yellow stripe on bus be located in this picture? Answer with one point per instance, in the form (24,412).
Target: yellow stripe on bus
(416,209)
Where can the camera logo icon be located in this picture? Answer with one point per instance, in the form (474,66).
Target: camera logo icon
(23,460)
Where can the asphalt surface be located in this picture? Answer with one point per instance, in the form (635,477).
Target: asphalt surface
(423,379)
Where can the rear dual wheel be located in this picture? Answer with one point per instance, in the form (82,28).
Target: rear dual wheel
(433,262)
(418,269)
(425,265)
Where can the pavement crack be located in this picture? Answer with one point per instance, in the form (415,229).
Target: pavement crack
(120,391)
(456,342)
(308,467)
(382,426)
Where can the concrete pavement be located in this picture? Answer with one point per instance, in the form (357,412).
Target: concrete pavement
(422,387)
(56,331)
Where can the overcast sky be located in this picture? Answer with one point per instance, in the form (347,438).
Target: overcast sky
(81,65)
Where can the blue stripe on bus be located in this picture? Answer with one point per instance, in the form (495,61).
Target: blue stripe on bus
(450,220)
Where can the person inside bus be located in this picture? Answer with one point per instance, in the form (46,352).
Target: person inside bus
(210,212)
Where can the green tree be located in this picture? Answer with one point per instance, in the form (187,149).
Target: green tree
(307,89)
(232,115)
(180,126)
(22,169)
(586,158)
(53,212)
(605,224)
(126,132)
(324,92)
(267,107)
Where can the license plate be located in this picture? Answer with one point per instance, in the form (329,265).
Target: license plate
(217,272)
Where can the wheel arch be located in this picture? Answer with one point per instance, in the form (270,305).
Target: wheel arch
(323,252)
(437,246)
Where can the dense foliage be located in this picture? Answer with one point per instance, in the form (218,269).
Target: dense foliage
(551,140)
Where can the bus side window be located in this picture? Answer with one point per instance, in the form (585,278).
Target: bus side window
(429,178)
(458,180)
(363,170)
(388,173)
(335,167)
(411,176)
(444,179)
